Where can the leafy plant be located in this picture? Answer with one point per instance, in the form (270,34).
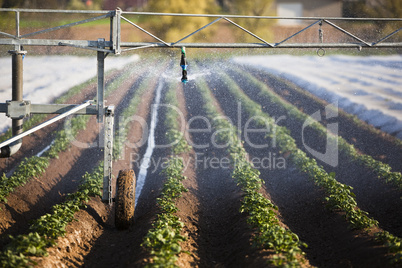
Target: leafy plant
(28,168)
(382,170)
(394,245)
(174,135)
(163,240)
(46,229)
(260,210)
(339,196)
(125,117)
(35,166)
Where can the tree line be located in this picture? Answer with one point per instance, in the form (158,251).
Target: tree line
(355,8)
(172,28)
(167,27)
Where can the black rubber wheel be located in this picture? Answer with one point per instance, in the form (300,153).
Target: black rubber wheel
(125,199)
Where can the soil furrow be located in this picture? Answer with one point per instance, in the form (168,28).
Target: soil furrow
(96,221)
(61,177)
(122,248)
(301,207)
(188,204)
(364,137)
(224,237)
(37,141)
(218,234)
(373,195)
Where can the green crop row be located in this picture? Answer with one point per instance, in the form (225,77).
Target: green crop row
(394,245)
(353,118)
(339,196)
(35,166)
(163,240)
(382,170)
(175,136)
(126,117)
(261,212)
(37,118)
(29,168)
(45,230)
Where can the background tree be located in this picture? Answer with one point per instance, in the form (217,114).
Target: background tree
(373,8)
(253,8)
(171,29)
(376,9)
(384,8)
(52,4)
(80,4)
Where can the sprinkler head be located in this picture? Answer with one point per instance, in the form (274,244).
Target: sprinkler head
(183,65)
(184,78)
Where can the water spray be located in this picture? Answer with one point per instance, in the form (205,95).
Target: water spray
(183,65)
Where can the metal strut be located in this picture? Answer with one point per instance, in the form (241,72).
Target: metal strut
(321,51)
(108,155)
(117,46)
(17,109)
(17,86)
(44,124)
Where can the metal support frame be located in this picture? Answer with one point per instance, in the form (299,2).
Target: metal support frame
(101,81)
(16,97)
(116,46)
(115,31)
(17,108)
(73,110)
(108,155)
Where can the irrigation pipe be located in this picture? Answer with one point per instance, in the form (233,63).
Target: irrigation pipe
(54,119)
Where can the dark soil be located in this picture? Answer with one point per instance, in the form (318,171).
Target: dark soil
(224,239)
(366,138)
(218,235)
(373,195)
(301,204)
(63,176)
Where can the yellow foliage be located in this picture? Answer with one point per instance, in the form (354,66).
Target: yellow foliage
(172,29)
(260,27)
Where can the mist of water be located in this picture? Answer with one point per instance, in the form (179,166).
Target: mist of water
(146,161)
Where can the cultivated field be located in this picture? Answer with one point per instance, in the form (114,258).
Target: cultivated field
(247,169)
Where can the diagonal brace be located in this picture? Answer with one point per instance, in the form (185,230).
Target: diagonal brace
(247,31)
(200,29)
(346,32)
(302,30)
(66,25)
(145,31)
(386,37)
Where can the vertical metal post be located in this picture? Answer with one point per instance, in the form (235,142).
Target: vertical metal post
(17,86)
(17,23)
(108,155)
(101,81)
(115,31)
(16,92)
(321,51)
(16,95)
(111,33)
